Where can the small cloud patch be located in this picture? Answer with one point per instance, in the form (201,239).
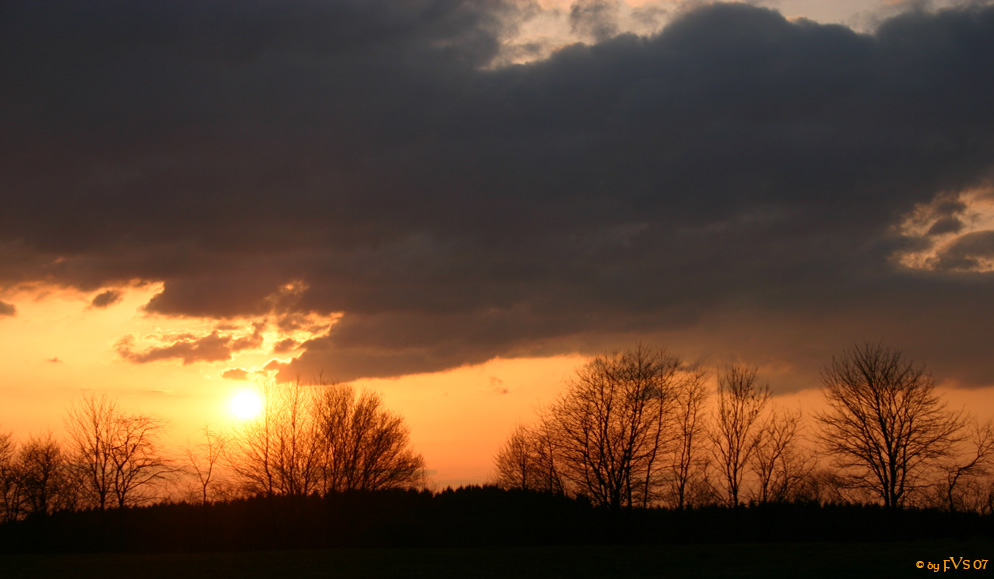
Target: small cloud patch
(211,348)
(284,346)
(498,386)
(235,374)
(106,299)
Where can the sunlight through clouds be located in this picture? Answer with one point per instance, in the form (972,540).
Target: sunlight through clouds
(423,194)
(954,233)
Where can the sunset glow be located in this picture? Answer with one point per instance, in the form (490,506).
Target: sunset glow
(457,204)
(246,404)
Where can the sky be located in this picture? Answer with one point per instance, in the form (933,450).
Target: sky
(455,203)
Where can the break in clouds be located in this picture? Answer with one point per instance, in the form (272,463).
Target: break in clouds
(737,184)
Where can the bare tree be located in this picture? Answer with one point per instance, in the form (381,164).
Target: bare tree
(44,477)
(364,446)
(298,450)
(89,424)
(279,452)
(974,463)
(516,468)
(117,453)
(254,454)
(735,432)
(137,458)
(781,467)
(324,438)
(10,479)
(688,420)
(885,425)
(204,460)
(546,454)
(610,425)
(528,460)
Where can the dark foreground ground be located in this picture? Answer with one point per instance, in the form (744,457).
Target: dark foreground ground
(809,560)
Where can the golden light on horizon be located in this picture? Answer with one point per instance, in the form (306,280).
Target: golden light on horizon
(245,404)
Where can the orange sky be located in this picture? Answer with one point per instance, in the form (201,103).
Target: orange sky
(61,348)
(379,195)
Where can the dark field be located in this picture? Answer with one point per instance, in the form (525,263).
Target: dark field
(897,559)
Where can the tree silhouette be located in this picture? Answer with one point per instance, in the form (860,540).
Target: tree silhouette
(365,447)
(515,463)
(885,425)
(203,461)
(780,466)
(324,438)
(973,464)
(117,453)
(735,432)
(610,426)
(10,479)
(688,419)
(45,482)
(278,453)
(528,461)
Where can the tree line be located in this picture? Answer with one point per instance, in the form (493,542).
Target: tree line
(463,517)
(631,430)
(642,428)
(308,439)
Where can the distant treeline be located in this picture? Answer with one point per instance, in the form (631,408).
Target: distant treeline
(642,427)
(639,447)
(468,516)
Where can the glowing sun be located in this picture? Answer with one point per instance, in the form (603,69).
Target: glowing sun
(246,404)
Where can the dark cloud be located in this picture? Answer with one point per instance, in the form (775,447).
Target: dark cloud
(945,225)
(284,346)
(363,158)
(7,309)
(966,252)
(597,19)
(190,349)
(106,299)
(252,341)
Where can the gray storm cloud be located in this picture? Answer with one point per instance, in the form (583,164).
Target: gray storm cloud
(735,166)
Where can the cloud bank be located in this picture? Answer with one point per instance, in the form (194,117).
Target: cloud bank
(736,175)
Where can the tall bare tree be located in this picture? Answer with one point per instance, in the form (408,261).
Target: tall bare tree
(298,450)
(364,446)
(610,425)
(117,453)
(203,461)
(735,432)
(974,462)
(688,422)
(279,452)
(885,425)
(781,466)
(137,458)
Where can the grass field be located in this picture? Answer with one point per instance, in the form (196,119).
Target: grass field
(807,560)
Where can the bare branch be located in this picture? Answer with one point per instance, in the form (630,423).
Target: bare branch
(885,425)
